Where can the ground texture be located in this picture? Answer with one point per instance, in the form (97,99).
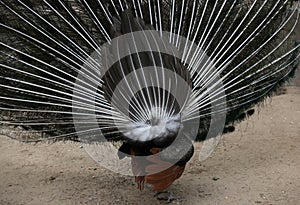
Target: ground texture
(257,164)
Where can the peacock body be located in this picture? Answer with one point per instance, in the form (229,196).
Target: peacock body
(152,75)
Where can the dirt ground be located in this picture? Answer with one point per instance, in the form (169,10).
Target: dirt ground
(257,164)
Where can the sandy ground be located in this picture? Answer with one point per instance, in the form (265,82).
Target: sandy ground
(257,164)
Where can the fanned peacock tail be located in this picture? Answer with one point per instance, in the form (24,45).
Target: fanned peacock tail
(52,59)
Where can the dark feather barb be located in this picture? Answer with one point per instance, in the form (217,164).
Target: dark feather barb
(249,46)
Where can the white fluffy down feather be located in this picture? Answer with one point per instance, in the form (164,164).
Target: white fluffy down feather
(163,128)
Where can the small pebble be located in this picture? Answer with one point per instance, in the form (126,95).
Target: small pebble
(215,178)
(52,178)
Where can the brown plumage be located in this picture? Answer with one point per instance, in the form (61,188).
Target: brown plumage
(163,179)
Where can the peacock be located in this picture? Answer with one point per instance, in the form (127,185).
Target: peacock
(139,81)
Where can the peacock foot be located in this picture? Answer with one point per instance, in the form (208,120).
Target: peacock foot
(167,196)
